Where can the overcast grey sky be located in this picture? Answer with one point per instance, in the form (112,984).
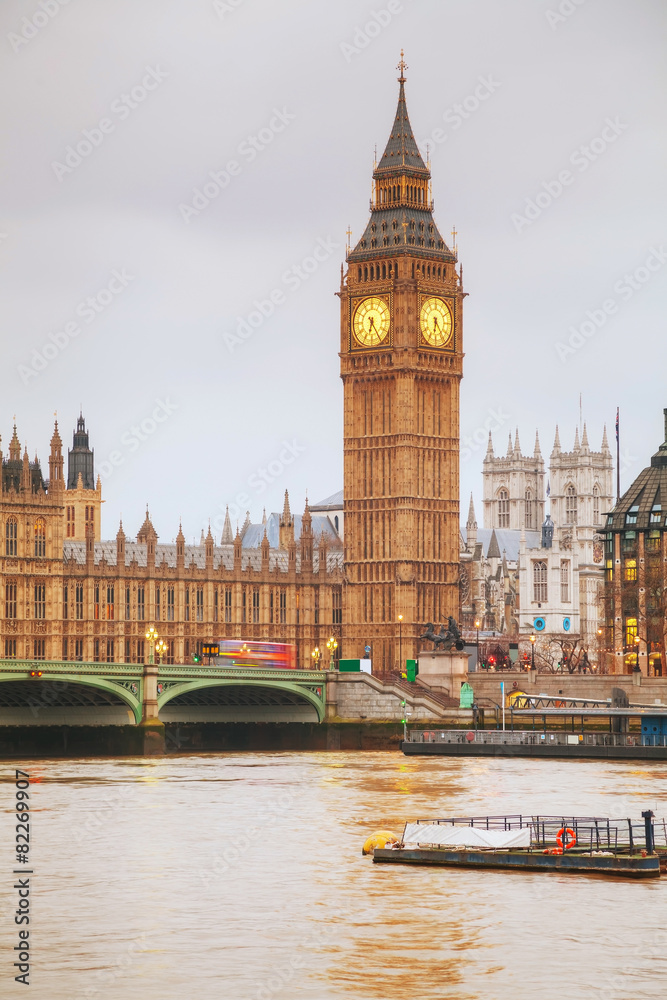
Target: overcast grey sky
(116,112)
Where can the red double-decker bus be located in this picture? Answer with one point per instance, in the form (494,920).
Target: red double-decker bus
(240,653)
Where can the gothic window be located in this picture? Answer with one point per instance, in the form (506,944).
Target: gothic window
(255,605)
(40,538)
(374,243)
(170,604)
(39,649)
(394,224)
(140,651)
(283,606)
(359,273)
(421,227)
(97,601)
(540,581)
(10,599)
(503,508)
(187,604)
(10,649)
(78,650)
(111,603)
(157,603)
(78,602)
(70,521)
(141,604)
(565,580)
(127,604)
(11,536)
(596,504)
(317,606)
(65,649)
(431,243)
(441,245)
(271,607)
(570,505)
(200,604)
(110,651)
(65,602)
(365,274)
(529,509)
(337,605)
(215,605)
(40,600)
(373,227)
(397,239)
(228,604)
(385,241)
(421,241)
(384,270)
(431,228)
(384,227)
(244,610)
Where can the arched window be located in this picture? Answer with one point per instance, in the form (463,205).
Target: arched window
(503,508)
(540,581)
(596,504)
(570,505)
(365,274)
(40,538)
(529,509)
(336,522)
(384,270)
(11,536)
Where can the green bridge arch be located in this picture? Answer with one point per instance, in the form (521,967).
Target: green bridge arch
(80,680)
(185,687)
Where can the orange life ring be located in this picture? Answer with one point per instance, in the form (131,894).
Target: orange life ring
(564,831)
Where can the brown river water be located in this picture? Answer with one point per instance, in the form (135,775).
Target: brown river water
(240,876)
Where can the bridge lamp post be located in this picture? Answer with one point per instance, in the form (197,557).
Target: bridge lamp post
(161,649)
(316,657)
(400,644)
(533,640)
(332,646)
(152,636)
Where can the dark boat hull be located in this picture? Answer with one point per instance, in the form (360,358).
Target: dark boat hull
(532,750)
(529,861)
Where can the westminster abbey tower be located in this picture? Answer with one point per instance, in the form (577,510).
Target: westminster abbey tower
(401,364)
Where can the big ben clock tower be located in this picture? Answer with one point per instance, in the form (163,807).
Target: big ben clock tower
(401,364)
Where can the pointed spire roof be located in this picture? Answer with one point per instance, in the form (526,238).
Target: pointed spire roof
(15,447)
(146,528)
(227,536)
(286,516)
(489,447)
(56,440)
(584,438)
(556,447)
(517,445)
(471,514)
(209,536)
(180,537)
(537,453)
(202,540)
(577,446)
(264,515)
(510,446)
(401,150)
(605,442)
(494,548)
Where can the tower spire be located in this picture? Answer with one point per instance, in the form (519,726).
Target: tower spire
(402,66)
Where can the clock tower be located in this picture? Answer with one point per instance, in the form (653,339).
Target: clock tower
(401,364)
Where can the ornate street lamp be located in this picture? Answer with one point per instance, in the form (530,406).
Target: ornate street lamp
(161,650)
(316,657)
(152,636)
(400,644)
(332,646)
(533,640)
(478,625)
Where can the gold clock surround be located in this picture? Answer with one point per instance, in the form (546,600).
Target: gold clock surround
(436,321)
(371,321)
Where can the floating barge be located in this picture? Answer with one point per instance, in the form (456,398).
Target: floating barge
(590,845)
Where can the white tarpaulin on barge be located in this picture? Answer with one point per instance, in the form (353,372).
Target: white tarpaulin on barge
(465,836)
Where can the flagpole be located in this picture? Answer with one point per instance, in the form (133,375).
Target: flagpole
(618,458)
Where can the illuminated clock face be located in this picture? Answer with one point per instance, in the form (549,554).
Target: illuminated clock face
(371,321)
(436,322)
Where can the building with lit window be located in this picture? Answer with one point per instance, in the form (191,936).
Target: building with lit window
(634,630)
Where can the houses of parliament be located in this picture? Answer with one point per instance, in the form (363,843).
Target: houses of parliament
(69,595)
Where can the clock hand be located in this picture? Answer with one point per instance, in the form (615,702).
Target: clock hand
(435,324)
(372,323)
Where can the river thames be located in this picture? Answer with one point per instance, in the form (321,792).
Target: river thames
(240,876)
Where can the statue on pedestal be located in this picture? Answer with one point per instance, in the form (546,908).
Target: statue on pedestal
(450,635)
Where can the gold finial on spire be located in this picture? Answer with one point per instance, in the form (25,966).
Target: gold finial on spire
(402,66)
(454,235)
(349,238)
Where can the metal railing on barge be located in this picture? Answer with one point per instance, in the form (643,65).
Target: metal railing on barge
(530,737)
(592,833)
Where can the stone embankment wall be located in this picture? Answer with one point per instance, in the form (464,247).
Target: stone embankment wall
(639,689)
